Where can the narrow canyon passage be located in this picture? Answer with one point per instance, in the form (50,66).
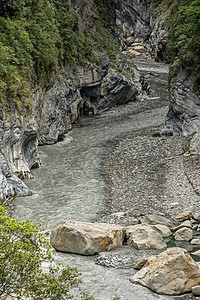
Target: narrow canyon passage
(109,163)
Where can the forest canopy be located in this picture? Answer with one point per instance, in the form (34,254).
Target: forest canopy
(184,40)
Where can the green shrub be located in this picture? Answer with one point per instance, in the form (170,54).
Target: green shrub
(184,38)
(23,250)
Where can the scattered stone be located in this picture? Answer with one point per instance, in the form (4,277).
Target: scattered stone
(193,221)
(135,221)
(196,290)
(196,216)
(171,272)
(119,214)
(186,215)
(133,53)
(140,49)
(86,238)
(195,242)
(130,40)
(154,219)
(195,226)
(128,213)
(183,234)
(163,230)
(140,264)
(123,257)
(196,253)
(143,236)
(186,223)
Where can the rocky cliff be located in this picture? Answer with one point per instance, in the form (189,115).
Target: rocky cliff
(87,90)
(71,93)
(184,112)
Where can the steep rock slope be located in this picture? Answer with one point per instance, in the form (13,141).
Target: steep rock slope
(184,112)
(75,91)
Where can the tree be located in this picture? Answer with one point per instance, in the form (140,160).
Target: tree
(23,249)
(184,40)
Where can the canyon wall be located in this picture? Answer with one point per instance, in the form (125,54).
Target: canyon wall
(90,89)
(72,93)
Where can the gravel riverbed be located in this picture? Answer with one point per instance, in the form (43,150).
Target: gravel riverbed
(147,172)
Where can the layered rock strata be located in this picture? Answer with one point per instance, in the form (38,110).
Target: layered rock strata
(184,112)
(81,91)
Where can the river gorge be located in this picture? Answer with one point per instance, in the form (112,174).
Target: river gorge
(108,163)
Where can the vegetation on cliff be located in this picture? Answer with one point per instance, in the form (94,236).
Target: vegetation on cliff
(36,39)
(184,39)
(39,37)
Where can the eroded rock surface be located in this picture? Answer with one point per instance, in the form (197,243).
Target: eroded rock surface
(184,111)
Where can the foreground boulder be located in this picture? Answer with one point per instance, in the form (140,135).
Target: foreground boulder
(171,272)
(86,238)
(143,236)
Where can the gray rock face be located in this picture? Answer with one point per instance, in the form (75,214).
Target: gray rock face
(171,272)
(158,39)
(19,153)
(184,111)
(133,17)
(86,238)
(80,91)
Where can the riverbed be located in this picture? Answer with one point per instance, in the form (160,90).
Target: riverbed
(81,179)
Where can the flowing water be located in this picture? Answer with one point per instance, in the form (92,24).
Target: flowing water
(70,185)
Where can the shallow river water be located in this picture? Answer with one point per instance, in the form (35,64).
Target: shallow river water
(70,185)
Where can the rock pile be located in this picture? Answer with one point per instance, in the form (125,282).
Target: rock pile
(170,272)
(135,47)
(147,232)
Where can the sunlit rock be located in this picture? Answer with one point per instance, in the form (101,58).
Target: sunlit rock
(171,272)
(86,238)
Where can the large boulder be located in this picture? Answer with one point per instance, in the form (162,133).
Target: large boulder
(86,238)
(171,272)
(143,236)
